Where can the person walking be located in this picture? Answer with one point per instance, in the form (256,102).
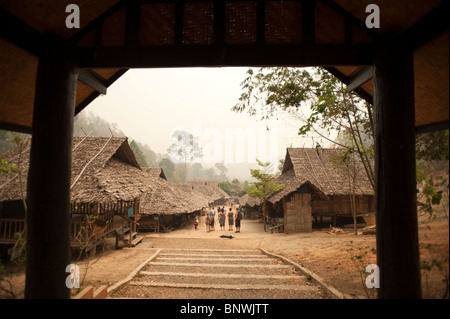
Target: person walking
(208,223)
(196,223)
(230,219)
(238,220)
(212,214)
(222,218)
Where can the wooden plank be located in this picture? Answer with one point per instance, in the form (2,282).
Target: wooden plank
(101,292)
(92,79)
(86,293)
(359,77)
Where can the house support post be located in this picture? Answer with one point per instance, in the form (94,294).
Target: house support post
(396,218)
(48,218)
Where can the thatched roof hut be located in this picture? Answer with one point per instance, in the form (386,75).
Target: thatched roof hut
(249,201)
(317,185)
(155,172)
(209,190)
(318,168)
(104,169)
(167,199)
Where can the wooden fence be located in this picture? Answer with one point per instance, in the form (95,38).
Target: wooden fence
(9,227)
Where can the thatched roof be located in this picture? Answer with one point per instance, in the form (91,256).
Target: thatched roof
(208,189)
(167,198)
(104,169)
(155,172)
(247,200)
(318,168)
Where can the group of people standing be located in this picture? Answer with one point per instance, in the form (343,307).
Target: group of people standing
(234,217)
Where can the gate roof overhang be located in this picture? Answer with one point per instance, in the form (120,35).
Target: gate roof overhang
(118,35)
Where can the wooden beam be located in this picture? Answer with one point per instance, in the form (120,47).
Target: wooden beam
(98,22)
(92,79)
(359,77)
(48,193)
(219,22)
(309,21)
(396,217)
(345,79)
(15,127)
(132,30)
(260,22)
(19,33)
(178,24)
(432,24)
(230,55)
(95,94)
(433,127)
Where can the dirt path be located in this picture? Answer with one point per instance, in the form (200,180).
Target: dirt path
(320,252)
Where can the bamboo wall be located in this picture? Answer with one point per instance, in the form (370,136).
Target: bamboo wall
(341,205)
(297,214)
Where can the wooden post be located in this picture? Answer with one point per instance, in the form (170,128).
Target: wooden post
(48,220)
(396,218)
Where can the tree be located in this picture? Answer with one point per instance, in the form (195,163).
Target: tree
(281,165)
(140,157)
(222,170)
(235,187)
(186,149)
(432,146)
(169,168)
(149,154)
(197,171)
(225,186)
(316,98)
(264,187)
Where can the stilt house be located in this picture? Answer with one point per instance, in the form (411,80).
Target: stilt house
(317,185)
(106,184)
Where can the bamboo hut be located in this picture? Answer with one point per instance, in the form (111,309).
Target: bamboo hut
(316,186)
(106,183)
(211,191)
(168,205)
(251,206)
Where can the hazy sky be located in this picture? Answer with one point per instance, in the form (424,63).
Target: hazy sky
(150,104)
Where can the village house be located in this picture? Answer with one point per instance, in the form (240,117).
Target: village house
(106,184)
(317,185)
(168,205)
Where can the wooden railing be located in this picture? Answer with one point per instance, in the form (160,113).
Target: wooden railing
(82,232)
(9,227)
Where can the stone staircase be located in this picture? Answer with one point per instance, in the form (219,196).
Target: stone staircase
(219,273)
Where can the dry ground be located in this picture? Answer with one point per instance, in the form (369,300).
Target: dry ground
(322,253)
